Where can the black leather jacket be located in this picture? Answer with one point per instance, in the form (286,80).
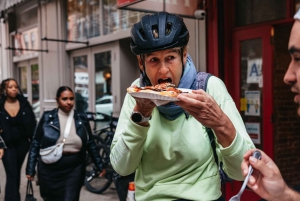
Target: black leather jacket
(28,121)
(48,131)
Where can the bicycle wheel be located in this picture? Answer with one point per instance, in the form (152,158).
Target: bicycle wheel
(93,182)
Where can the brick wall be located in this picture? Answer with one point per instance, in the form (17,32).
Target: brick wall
(286,121)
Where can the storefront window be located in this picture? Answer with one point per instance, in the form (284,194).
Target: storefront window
(115,20)
(256,11)
(104,101)
(297,5)
(35,90)
(23,80)
(252,88)
(83,19)
(26,19)
(26,40)
(81,83)
(110,16)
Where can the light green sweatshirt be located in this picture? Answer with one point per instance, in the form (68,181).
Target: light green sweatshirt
(174,159)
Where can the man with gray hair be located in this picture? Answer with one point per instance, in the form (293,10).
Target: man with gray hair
(266,179)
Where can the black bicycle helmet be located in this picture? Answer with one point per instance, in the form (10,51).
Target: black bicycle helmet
(158,32)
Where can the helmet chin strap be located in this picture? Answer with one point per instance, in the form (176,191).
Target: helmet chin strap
(182,62)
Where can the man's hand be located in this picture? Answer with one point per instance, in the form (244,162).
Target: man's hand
(266,179)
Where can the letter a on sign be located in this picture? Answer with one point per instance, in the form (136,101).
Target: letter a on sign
(254,71)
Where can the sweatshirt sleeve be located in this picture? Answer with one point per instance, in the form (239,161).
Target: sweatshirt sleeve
(232,155)
(129,139)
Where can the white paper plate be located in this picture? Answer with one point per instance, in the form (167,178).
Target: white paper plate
(157,96)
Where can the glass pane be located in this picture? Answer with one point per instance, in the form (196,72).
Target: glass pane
(26,19)
(23,80)
(81,80)
(129,18)
(83,19)
(255,11)
(251,88)
(104,103)
(35,87)
(110,16)
(297,5)
(26,40)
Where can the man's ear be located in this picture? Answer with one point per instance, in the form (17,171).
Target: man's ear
(140,62)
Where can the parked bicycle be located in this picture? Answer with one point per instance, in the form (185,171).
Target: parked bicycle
(103,138)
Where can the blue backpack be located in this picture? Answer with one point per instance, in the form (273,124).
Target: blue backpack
(202,79)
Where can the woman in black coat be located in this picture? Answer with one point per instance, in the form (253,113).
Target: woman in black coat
(17,127)
(62,180)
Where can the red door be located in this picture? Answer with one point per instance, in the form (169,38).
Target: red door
(249,81)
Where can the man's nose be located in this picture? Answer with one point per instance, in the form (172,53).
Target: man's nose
(290,75)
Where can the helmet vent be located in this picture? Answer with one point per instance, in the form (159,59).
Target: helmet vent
(168,28)
(142,32)
(155,31)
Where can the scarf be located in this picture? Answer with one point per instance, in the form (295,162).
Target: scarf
(171,111)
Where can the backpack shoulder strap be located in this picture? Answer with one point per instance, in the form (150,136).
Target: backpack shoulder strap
(202,79)
(201,83)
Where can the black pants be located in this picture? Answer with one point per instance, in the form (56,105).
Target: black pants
(62,181)
(122,186)
(13,159)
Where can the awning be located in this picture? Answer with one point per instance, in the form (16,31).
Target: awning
(185,8)
(5,4)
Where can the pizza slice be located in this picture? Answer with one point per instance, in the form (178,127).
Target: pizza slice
(163,89)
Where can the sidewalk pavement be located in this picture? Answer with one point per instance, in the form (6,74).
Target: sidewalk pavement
(109,195)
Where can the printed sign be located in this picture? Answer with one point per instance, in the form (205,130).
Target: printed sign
(253,103)
(253,129)
(243,104)
(254,71)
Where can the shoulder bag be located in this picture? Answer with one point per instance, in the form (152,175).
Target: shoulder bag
(29,192)
(54,153)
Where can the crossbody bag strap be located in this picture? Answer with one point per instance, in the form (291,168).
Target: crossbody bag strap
(68,126)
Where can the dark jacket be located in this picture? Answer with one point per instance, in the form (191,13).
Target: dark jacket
(28,120)
(48,131)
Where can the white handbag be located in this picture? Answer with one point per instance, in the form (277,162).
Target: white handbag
(54,153)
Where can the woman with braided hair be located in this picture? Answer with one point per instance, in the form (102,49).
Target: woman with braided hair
(17,127)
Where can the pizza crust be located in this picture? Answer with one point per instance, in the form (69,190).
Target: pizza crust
(170,92)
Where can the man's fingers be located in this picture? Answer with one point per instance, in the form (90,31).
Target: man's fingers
(261,166)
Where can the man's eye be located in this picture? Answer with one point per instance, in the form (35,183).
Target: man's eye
(71,98)
(64,99)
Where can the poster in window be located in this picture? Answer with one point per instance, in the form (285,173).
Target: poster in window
(252,103)
(253,129)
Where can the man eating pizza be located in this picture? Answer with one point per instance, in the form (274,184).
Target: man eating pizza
(168,146)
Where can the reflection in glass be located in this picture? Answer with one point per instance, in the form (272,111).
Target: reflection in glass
(297,5)
(83,19)
(23,80)
(104,102)
(252,83)
(81,80)
(35,87)
(256,11)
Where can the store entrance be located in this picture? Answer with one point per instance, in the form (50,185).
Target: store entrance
(252,91)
